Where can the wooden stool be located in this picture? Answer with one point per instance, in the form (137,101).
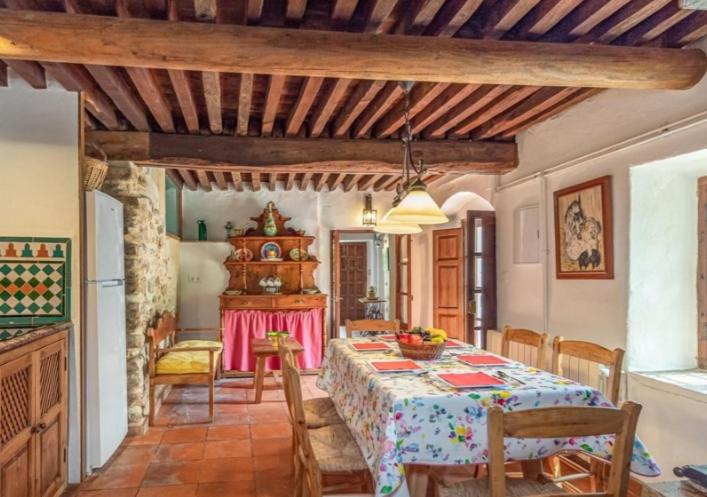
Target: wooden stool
(262,349)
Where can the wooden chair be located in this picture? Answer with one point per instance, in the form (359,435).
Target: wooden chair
(330,450)
(188,362)
(553,422)
(531,344)
(580,361)
(318,412)
(372,325)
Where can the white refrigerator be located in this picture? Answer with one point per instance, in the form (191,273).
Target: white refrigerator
(106,385)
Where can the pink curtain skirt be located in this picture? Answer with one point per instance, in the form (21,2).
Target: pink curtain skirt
(240,326)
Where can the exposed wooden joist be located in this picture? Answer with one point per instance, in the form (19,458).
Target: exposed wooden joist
(584,18)
(237,181)
(349,182)
(304,182)
(321,181)
(503,15)
(188,179)
(471,104)
(211,81)
(421,95)
(289,155)
(380,105)
(308,93)
(368,181)
(245,95)
(205,10)
(654,26)
(272,182)
(290,182)
(3,74)
(272,101)
(30,71)
(341,12)
(294,11)
(204,180)
(336,181)
(691,29)
(452,17)
(175,177)
(381,183)
(358,101)
(542,19)
(438,107)
(255,181)
(101,40)
(332,96)
(510,98)
(220,178)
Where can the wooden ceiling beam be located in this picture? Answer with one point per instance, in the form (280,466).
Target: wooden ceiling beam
(272,181)
(380,105)
(336,181)
(188,179)
(175,177)
(654,26)
(368,181)
(245,95)
(349,182)
(102,40)
(290,182)
(381,183)
(255,181)
(272,100)
(690,30)
(542,19)
(205,10)
(286,155)
(211,81)
(584,18)
(203,178)
(332,96)
(421,96)
(361,97)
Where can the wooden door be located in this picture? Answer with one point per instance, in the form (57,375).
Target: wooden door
(51,416)
(354,280)
(481,270)
(17,443)
(448,273)
(403,280)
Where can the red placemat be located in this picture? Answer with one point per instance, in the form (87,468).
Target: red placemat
(482,360)
(455,343)
(470,380)
(371,346)
(388,337)
(406,365)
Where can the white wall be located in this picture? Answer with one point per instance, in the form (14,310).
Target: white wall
(315,212)
(39,188)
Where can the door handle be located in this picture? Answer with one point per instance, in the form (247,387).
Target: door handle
(39,428)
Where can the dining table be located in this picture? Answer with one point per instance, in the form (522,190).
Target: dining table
(403,419)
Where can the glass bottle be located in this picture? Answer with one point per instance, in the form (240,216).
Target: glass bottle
(201,224)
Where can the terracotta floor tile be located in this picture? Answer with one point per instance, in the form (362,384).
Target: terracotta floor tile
(117,477)
(237,432)
(226,489)
(193,451)
(268,487)
(181,435)
(226,469)
(231,408)
(168,491)
(272,446)
(227,448)
(153,436)
(134,455)
(268,463)
(271,430)
(113,492)
(173,473)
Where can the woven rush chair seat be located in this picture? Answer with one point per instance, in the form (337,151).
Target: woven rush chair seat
(335,450)
(515,487)
(320,412)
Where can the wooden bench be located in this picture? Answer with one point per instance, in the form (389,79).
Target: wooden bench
(188,362)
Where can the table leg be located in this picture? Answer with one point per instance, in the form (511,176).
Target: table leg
(418,477)
(259,378)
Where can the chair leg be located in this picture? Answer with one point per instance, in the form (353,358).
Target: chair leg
(259,379)
(211,401)
(153,405)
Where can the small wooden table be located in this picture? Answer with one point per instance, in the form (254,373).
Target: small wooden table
(262,349)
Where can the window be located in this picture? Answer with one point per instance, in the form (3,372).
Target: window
(173,208)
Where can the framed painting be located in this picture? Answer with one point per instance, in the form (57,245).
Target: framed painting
(583,231)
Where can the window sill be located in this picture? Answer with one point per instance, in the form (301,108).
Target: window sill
(690,383)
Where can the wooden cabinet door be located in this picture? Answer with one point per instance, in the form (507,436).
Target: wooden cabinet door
(51,416)
(17,443)
(354,280)
(448,289)
(403,280)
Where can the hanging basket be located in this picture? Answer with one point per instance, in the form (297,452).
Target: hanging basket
(95,167)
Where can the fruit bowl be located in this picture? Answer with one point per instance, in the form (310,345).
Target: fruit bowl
(424,345)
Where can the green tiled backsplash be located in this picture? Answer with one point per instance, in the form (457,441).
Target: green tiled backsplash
(35,282)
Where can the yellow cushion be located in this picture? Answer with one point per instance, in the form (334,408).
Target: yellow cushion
(184,362)
(198,343)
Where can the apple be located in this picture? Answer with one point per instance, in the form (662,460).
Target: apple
(404,337)
(415,340)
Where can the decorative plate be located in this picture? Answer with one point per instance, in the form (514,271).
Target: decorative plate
(296,255)
(270,251)
(242,255)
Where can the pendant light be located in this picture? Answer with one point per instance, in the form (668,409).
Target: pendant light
(394,227)
(416,205)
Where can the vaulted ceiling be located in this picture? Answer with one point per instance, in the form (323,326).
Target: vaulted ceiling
(339,114)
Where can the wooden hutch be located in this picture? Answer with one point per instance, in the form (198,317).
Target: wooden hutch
(245,273)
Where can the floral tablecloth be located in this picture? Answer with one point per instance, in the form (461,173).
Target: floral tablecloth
(415,418)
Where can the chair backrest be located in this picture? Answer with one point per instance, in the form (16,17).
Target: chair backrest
(310,468)
(286,355)
(164,329)
(531,346)
(564,422)
(372,325)
(580,361)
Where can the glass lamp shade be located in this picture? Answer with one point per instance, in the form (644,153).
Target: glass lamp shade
(394,228)
(417,207)
(370,217)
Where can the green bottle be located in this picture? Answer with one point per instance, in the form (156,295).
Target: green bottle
(202,230)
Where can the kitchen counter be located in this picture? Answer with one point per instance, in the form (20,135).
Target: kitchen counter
(33,335)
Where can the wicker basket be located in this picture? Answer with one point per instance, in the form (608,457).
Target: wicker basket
(94,168)
(425,351)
